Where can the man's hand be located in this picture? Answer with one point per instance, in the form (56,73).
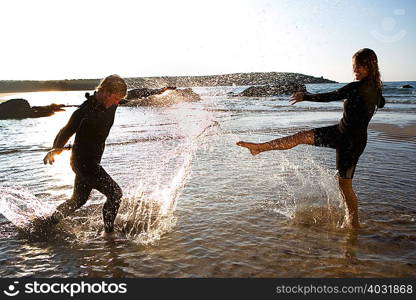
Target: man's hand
(50,156)
(297,97)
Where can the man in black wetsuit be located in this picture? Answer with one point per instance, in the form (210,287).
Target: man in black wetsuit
(349,136)
(91,123)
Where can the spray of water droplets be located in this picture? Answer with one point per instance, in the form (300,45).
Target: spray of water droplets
(21,206)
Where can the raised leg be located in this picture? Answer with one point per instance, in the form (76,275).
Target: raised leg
(284,143)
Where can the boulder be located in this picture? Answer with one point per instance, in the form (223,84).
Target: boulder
(20,109)
(47,110)
(15,109)
(141,93)
(272,90)
(166,98)
(407,86)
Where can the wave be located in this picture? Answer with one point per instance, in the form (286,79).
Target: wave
(23,150)
(398,100)
(403,98)
(399,90)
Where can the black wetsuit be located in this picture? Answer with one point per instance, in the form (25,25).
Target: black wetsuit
(349,137)
(92,123)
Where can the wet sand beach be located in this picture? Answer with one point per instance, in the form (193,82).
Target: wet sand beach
(406,132)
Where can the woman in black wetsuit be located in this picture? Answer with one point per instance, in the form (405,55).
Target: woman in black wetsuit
(349,136)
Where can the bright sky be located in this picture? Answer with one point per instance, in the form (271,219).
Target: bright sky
(91,39)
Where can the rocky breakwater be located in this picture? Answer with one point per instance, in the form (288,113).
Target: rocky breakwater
(272,90)
(274,84)
(159,97)
(21,109)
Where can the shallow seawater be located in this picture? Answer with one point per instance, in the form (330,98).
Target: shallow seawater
(196,205)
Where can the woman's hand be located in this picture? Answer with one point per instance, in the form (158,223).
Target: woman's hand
(50,156)
(296,97)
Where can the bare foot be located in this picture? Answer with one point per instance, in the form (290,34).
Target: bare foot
(253,147)
(108,235)
(355,225)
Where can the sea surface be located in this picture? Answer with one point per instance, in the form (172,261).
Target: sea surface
(196,205)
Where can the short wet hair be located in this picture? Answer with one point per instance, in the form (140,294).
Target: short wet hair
(113,84)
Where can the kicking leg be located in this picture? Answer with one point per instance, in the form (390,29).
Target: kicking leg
(80,195)
(107,186)
(288,142)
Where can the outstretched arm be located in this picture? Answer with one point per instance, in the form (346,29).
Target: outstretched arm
(341,93)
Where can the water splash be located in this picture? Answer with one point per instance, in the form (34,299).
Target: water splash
(296,185)
(20,206)
(149,203)
(147,210)
(311,194)
(145,216)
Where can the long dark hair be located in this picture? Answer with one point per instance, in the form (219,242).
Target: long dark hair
(367,58)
